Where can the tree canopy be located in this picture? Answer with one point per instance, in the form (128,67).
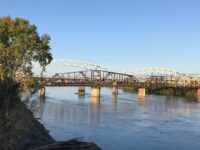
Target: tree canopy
(20,46)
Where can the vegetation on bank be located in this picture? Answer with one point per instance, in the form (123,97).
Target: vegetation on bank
(184,92)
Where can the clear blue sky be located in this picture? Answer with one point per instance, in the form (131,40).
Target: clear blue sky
(118,33)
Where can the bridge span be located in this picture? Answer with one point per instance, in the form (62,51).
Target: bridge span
(95,76)
(96,79)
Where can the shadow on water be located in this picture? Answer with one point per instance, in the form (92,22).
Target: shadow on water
(42,107)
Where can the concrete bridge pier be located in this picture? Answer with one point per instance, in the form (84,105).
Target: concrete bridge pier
(141,93)
(81,90)
(115,90)
(42,92)
(95,91)
(198,92)
(198,95)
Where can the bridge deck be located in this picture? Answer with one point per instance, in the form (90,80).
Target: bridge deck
(106,78)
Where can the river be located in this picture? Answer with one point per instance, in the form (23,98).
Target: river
(121,122)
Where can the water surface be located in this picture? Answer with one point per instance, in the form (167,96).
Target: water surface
(122,122)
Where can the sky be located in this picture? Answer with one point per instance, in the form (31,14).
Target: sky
(117,34)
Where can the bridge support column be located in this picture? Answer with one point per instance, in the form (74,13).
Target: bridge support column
(81,90)
(141,92)
(42,92)
(95,91)
(198,92)
(115,90)
(198,95)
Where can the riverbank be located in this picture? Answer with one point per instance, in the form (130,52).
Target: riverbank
(68,145)
(24,132)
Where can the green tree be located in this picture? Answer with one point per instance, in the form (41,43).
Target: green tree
(20,46)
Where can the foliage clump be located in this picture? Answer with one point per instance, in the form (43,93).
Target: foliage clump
(21,46)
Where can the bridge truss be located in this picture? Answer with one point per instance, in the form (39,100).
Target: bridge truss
(94,75)
(96,78)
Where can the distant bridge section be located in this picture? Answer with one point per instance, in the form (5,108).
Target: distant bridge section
(67,65)
(152,71)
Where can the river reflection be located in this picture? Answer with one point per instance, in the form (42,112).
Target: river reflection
(95,110)
(141,100)
(123,121)
(114,101)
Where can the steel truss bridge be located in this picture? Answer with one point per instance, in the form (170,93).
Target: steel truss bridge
(97,76)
